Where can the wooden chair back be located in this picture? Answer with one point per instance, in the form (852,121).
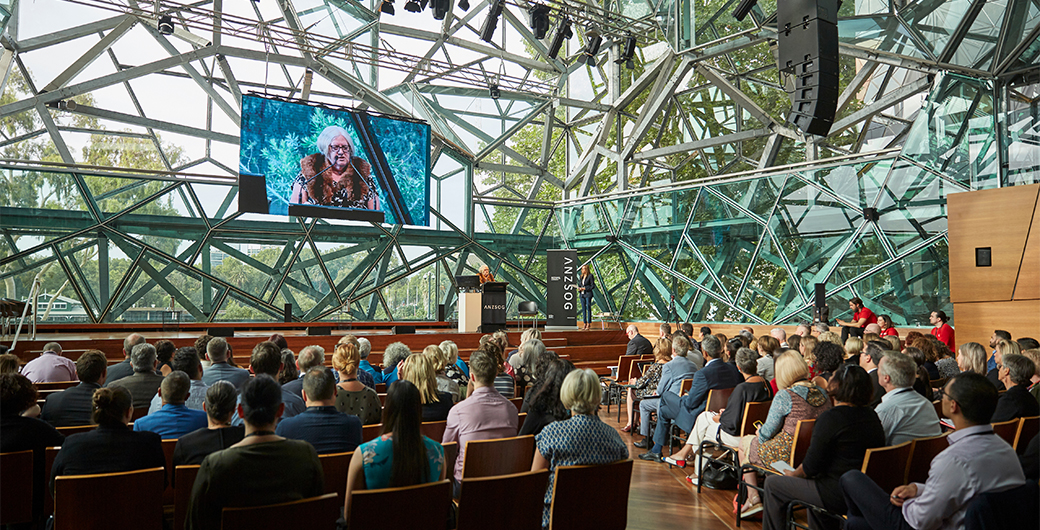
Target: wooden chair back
(717,399)
(938,408)
(502,456)
(451,454)
(887,466)
(75,429)
(753,411)
(315,513)
(520,419)
(55,385)
(167,449)
(802,437)
(184,481)
(49,454)
(139,413)
(370,432)
(624,366)
(518,402)
(570,506)
(1029,427)
(334,467)
(1007,430)
(433,430)
(481,501)
(16,497)
(924,450)
(686,385)
(426,505)
(77,498)
(380,388)
(382,399)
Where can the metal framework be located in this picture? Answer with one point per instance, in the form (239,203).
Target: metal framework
(678,179)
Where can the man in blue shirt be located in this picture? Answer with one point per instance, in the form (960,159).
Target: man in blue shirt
(365,348)
(321,425)
(174,419)
(217,352)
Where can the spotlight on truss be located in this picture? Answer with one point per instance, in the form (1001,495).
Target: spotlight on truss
(487,31)
(539,20)
(563,32)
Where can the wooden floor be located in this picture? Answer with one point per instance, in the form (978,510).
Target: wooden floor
(660,498)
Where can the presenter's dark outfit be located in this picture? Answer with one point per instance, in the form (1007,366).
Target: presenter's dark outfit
(589,284)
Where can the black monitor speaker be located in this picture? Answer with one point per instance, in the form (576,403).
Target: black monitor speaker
(820,298)
(287,312)
(319,330)
(221,332)
(403,330)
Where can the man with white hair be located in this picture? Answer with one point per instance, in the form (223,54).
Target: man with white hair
(672,375)
(364,349)
(904,413)
(145,382)
(124,369)
(803,330)
(820,327)
(780,335)
(637,344)
(310,356)
(219,370)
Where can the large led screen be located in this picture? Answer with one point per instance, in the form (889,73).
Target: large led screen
(309,161)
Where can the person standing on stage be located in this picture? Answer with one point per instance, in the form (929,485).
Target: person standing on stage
(861,316)
(586,287)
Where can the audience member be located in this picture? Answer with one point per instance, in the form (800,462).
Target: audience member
(401,455)
(483,415)
(904,413)
(869,360)
(164,351)
(289,372)
(794,342)
(279,340)
(807,347)
(861,316)
(724,426)
(504,382)
(452,370)
(393,356)
(352,396)
(542,405)
(853,349)
(50,366)
(664,331)
(9,363)
(781,337)
(840,438)
(74,405)
(321,425)
(20,433)
(977,461)
(267,360)
(637,344)
(694,356)
(1027,343)
(174,419)
(830,336)
(220,369)
(365,349)
(1033,354)
(201,346)
(685,410)
(829,358)
(803,330)
(819,328)
(971,357)
(440,361)
(581,440)
(419,371)
(310,356)
(530,351)
(1016,372)
(887,327)
(186,360)
(894,343)
(797,399)
(219,434)
(922,382)
(124,369)
(364,377)
(872,330)
(1004,348)
(767,348)
(646,384)
(946,365)
(992,361)
(672,375)
(263,468)
(144,384)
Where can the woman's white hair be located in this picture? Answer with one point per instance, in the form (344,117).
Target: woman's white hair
(581,392)
(328,135)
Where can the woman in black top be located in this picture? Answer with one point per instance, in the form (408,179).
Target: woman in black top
(544,406)
(586,286)
(418,369)
(21,433)
(840,439)
(828,359)
(192,448)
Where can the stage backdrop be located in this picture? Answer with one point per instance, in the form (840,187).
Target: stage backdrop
(561,289)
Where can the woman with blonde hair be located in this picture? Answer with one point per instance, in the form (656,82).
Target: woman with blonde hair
(353,397)
(797,399)
(830,336)
(971,357)
(1004,347)
(646,384)
(807,347)
(853,348)
(452,370)
(440,362)
(418,369)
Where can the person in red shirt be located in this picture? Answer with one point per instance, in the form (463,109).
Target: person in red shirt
(887,329)
(861,316)
(942,330)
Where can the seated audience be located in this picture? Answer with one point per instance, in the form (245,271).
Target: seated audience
(829,358)
(452,370)
(947,364)
(267,360)
(672,375)
(840,438)
(871,329)
(365,349)
(853,349)
(637,344)
(20,433)
(933,351)
(352,397)
(767,348)
(685,410)
(819,328)
(289,372)
(321,425)
(830,336)
(922,382)
(1016,372)
(797,399)
(401,455)
(483,415)
(530,351)
(807,347)
(542,404)
(220,368)
(124,369)
(263,468)
(887,327)
(724,427)
(505,384)
(971,357)
(144,384)
(803,330)
(50,366)
(9,363)
(310,356)
(646,384)
(418,370)
(977,461)
(186,360)
(1028,343)
(164,351)
(1004,347)
(869,360)
(393,356)
(366,378)
(894,343)
(1033,354)
(904,413)
(440,362)
(781,337)
(219,434)
(174,419)
(581,440)
(794,342)
(74,405)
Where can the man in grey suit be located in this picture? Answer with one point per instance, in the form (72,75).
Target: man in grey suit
(220,370)
(145,382)
(124,369)
(672,376)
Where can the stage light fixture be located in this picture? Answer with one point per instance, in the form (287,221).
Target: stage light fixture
(539,20)
(387,7)
(166,25)
(628,51)
(487,31)
(588,55)
(563,32)
(494,91)
(440,9)
(412,6)
(464,5)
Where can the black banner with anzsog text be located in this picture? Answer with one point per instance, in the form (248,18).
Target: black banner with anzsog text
(561,290)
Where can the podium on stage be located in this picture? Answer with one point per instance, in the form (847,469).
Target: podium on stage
(482,308)
(493,306)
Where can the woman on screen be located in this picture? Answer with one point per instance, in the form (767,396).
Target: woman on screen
(485,275)
(334,176)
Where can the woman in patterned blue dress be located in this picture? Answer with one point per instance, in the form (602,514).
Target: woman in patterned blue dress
(581,440)
(401,456)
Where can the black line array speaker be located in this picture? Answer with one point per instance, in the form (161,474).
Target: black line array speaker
(441,312)
(403,330)
(319,330)
(221,332)
(820,300)
(287,312)
(808,51)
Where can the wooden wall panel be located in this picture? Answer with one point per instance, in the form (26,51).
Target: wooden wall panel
(1028,286)
(976,321)
(998,219)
